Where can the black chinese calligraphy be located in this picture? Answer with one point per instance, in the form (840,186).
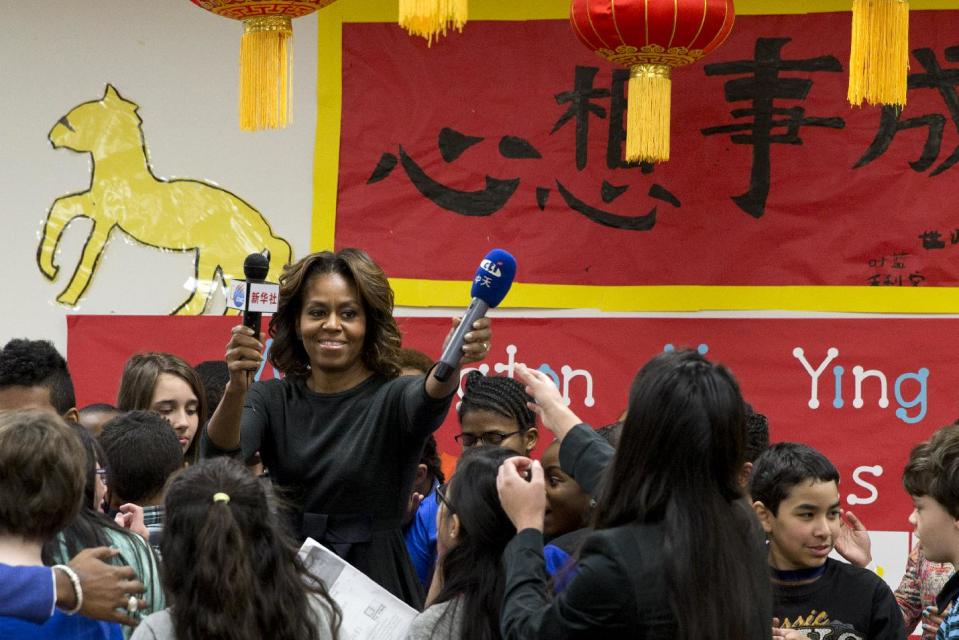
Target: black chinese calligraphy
(769,124)
(889,271)
(498,191)
(891,122)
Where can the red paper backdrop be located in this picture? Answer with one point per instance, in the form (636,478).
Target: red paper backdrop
(824,222)
(759,352)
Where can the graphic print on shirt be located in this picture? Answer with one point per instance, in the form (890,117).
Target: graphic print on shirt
(817,626)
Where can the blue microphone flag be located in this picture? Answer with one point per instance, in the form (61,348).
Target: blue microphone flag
(494,277)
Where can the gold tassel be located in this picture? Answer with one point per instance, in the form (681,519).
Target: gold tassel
(265,68)
(879,53)
(647,113)
(431,18)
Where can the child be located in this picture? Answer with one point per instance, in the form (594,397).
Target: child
(796,497)
(91,528)
(419,523)
(566,521)
(165,383)
(229,568)
(931,477)
(467,591)
(495,411)
(41,487)
(143,453)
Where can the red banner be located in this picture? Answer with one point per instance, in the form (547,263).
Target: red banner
(510,135)
(823,382)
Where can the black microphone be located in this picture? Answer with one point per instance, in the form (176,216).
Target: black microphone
(490,285)
(255,268)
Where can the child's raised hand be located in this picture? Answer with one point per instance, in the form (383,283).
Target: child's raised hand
(853,542)
(549,404)
(130,516)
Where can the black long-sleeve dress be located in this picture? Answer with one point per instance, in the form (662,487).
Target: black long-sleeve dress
(347,461)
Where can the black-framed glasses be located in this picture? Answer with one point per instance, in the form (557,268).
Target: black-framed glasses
(102,474)
(441,494)
(492,438)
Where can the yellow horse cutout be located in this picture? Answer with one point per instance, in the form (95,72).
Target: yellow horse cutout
(178,215)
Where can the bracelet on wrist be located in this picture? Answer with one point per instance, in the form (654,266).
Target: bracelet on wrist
(75,581)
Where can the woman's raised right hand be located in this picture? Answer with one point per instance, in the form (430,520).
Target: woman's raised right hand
(244,353)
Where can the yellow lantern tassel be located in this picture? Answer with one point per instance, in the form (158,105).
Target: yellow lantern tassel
(265,67)
(647,113)
(431,18)
(879,54)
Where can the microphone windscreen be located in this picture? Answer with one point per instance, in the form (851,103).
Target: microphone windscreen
(255,267)
(494,277)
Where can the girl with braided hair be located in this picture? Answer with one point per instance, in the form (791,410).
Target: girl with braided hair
(494,412)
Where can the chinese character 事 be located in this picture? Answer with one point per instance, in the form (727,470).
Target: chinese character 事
(762,88)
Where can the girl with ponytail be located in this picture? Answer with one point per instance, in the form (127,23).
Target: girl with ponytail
(229,569)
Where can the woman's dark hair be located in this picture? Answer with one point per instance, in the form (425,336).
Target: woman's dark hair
(139,379)
(498,394)
(229,568)
(473,576)
(89,528)
(382,342)
(677,462)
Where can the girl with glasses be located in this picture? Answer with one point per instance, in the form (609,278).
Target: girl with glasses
(472,530)
(494,412)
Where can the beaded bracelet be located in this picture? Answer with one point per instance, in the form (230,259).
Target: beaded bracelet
(75,580)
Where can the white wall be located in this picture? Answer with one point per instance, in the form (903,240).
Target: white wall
(179,63)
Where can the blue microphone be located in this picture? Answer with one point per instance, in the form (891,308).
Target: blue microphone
(490,285)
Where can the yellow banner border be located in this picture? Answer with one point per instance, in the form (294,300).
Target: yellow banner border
(454,293)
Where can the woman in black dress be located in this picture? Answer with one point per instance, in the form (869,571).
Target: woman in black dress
(342,433)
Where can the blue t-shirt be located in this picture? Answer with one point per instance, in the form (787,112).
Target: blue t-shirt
(59,627)
(420,537)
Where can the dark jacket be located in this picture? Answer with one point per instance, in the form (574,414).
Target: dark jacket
(619,590)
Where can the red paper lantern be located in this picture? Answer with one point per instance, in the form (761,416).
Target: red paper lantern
(264,55)
(650,37)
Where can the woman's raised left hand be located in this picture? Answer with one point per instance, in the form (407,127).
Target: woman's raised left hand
(476,342)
